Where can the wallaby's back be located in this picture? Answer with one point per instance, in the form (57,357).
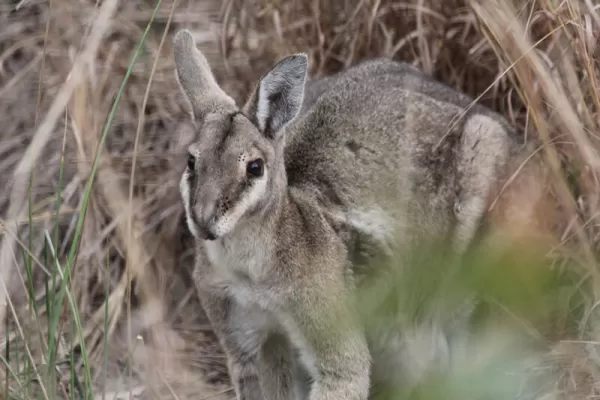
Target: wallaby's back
(383,141)
(383,132)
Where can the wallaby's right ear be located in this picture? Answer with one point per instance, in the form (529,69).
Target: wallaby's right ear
(279,94)
(196,79)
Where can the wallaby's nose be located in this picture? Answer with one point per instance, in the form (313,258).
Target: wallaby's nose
(209,235)
(208,224)
(204,219)
(206,231)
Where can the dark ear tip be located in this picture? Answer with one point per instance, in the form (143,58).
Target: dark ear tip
(301,58)
(296,62)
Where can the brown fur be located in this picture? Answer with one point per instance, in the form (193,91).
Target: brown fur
(281,192)
(524,210)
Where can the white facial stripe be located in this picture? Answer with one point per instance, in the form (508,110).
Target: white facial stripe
(184,189)
(226,223)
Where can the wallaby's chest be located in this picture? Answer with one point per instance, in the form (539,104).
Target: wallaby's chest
(240,270)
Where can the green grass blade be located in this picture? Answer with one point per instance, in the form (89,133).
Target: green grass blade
(105,338)
(78,325)
(71,259)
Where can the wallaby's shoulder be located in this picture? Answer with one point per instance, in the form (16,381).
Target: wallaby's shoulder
(389,92)
(364,72)
(382,121)
(380,75)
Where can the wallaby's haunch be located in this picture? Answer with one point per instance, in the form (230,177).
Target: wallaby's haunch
(278,192)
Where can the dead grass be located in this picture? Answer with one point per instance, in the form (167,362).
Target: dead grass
(61,64)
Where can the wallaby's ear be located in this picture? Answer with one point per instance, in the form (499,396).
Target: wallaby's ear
(279,94)
(196,79)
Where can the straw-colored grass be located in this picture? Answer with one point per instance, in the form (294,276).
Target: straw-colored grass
(93,133)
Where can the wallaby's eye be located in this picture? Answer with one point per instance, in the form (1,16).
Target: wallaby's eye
(191,162)
(255,168)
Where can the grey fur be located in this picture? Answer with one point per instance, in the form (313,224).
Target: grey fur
(369,158)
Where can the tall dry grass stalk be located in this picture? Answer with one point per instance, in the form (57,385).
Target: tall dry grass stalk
(62,64)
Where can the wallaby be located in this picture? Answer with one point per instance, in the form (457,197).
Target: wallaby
(279,192)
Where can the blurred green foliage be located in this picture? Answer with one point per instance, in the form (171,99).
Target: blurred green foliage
(489,319)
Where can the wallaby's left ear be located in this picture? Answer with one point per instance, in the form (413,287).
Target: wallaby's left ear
(196,79)
(278,97)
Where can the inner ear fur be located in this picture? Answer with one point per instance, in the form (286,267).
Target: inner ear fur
(278,96)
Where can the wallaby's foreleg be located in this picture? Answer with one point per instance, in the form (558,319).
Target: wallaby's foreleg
(243,335)
(276,369)
(332,344)
(241,344)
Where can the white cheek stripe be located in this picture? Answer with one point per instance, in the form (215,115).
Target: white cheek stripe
(226,223)
(184,189)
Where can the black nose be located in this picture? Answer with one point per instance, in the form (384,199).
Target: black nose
(205,232)
(206,228)
(208,235)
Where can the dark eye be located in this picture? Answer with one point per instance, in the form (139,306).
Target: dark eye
(191,162)
(255,168)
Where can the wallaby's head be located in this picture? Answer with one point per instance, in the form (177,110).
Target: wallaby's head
(235,167)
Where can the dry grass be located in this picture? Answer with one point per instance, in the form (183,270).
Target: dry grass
(62,63)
